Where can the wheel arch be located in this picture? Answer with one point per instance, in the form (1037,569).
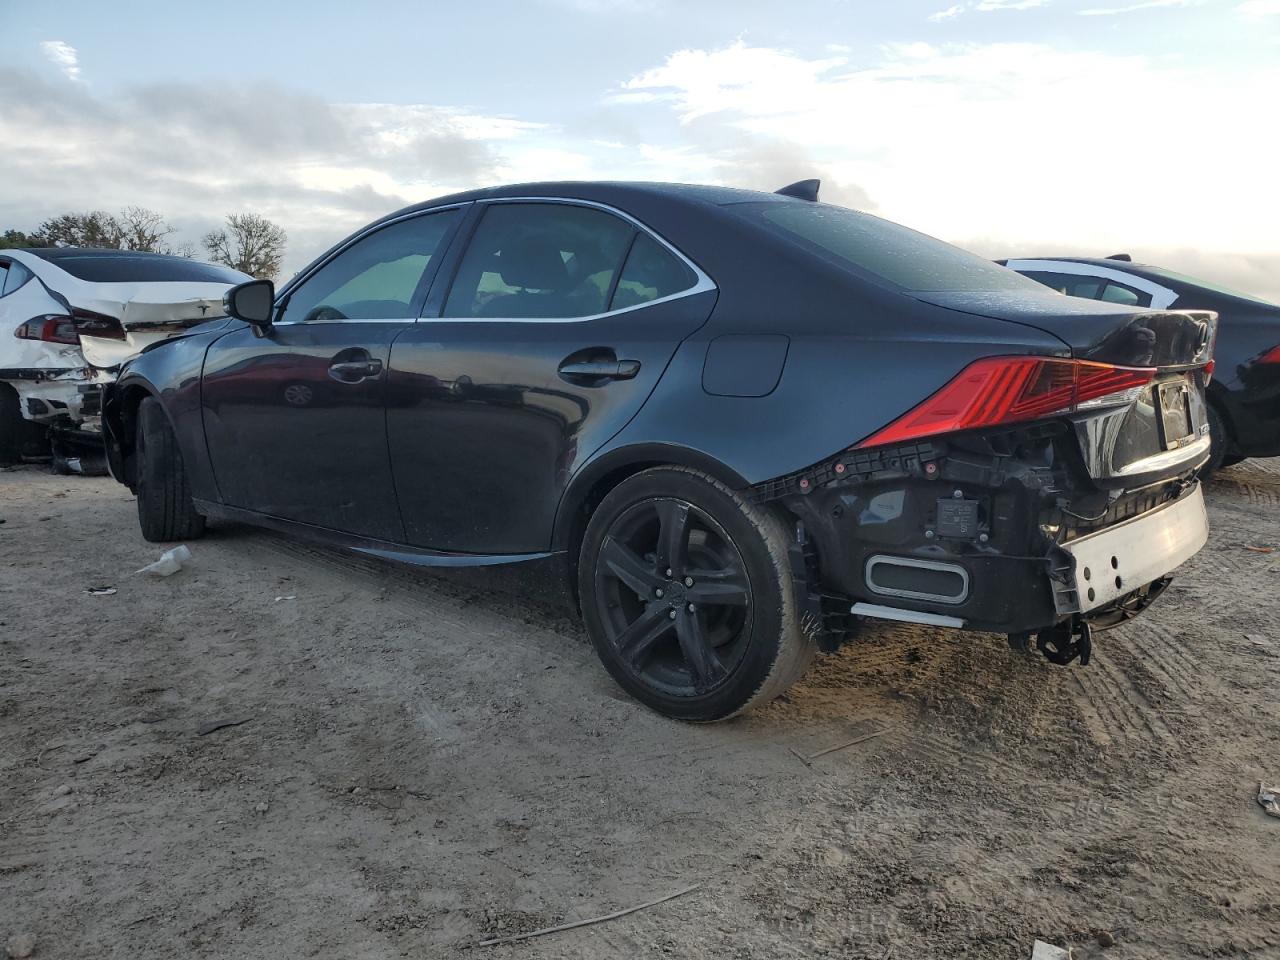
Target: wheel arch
(120,422)
(593,482)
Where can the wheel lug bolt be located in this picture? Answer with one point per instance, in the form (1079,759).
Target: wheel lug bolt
(668,571)
(658,593)
(691,608)
(672,615)
(688,581)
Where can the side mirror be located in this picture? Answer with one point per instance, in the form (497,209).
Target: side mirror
(253,302)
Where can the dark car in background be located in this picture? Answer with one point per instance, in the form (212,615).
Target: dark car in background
(744,422)
(1244,392)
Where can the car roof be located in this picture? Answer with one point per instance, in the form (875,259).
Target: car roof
(609,192)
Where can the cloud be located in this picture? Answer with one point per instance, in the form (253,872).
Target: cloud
(1130,8)
(197,152)
(984,6)
(1259,8)
(63,56)
(963,138)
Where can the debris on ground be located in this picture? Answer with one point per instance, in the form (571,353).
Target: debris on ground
(290,597)
(1261,549)
(1047,951)
(213,725)
(170,562)
(261,807)
(21,945)
(808,760)
(1106,939)
(586,923)
(101,591)
(1269,798)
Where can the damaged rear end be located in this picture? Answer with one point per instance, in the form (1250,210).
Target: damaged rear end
(120,324)
(1042,497)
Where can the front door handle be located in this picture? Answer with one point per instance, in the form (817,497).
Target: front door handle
(353,371)
(601,369)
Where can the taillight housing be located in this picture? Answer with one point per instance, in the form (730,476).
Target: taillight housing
(1271,356)
(97,324)
(51,328)
(1002,390)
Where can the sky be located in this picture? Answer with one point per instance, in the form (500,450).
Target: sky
(1011,127)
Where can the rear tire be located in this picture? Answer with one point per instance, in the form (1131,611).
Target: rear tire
(165,509)
(704,650)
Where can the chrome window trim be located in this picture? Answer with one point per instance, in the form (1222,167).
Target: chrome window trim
(347,245)
(702,284)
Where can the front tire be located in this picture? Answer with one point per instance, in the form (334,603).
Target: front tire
(686,595)
(165,509)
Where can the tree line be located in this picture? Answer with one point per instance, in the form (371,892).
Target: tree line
(246,242)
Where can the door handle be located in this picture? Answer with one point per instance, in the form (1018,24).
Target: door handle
(353,371)
(601,369)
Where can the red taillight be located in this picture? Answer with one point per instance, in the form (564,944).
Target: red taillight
(51,328)
(97,324)
(999,390)
(1208,371)
(1271,356)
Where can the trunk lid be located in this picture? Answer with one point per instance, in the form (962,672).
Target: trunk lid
(1098,331)
(148,313)
(1150,435)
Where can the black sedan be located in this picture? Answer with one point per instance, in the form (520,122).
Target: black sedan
(744,421)
(1244,394)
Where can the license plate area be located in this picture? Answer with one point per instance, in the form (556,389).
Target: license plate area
(1115,561)
(1174,407)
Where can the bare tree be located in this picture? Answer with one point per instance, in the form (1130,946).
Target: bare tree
(248,243)
(143,229)
(136,228)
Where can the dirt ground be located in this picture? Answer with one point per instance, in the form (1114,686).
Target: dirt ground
(425,760)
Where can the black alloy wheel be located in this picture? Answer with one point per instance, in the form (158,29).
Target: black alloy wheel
(676,597)
(686,595)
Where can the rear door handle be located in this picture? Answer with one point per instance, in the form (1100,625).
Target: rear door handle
(353,371)
(601,369)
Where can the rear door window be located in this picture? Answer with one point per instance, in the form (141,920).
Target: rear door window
(651,272)
(1129,297)
(540,261)
(1091,288)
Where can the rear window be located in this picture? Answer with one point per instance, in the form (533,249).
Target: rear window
(136,268)
(1205,284)
(885,250)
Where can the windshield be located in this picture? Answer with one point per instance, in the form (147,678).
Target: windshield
(886,250)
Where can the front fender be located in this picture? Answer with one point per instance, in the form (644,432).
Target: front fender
(170,371)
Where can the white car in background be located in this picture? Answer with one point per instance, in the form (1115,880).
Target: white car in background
(69,316)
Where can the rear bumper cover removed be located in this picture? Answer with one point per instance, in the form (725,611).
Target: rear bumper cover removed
(1106,565)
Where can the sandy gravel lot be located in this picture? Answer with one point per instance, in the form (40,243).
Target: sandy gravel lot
(425,761)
